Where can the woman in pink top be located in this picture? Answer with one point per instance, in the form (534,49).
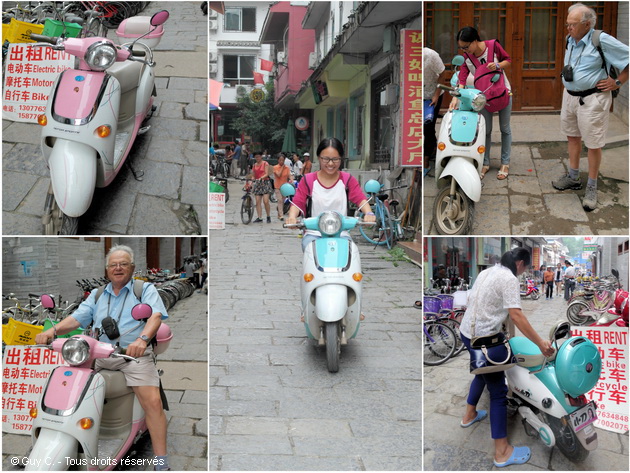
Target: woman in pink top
(330,189)
(262,186)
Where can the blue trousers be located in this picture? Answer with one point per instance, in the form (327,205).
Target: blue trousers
(506,134)
(495,382)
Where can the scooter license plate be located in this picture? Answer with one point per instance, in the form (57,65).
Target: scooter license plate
(584,416)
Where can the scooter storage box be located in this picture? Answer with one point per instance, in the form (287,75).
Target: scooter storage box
(578,366)
(136,26)
(20,333)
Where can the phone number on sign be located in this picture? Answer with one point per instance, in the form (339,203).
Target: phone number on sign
(613,425)
(22,426)
(32,108)
(614,416)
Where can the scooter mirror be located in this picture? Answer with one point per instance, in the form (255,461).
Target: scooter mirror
(560,330)
(47,301)
(372,186)
(141,311)
(615,273)
(458,60)
(159,18)
(287,190)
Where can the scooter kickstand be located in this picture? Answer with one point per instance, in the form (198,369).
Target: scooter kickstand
(321,342)
(344,340)
(137,175)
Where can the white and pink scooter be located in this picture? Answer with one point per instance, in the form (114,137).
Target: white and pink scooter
(86,419)
(94,114)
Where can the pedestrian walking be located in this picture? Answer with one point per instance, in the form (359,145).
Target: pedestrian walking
(281,175)
(297,167)
(244,159)
(476,54)
(237,159)
(433,72)
(262,186)
(569,280)
(558,278)
(548,278)
(328,189)
(587,96)
(308,164)
(495,296)
(231,160)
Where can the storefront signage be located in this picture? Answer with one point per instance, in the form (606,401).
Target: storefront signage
(25,370)
(301,123)
(611,392)
(216,211)
(30,74)
(257,95)
(320,91)
(411,98)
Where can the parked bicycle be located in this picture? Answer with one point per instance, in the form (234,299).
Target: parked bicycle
(247,206)
(440,342)
(387,229)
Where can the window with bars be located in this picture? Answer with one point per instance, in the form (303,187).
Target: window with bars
(240,19)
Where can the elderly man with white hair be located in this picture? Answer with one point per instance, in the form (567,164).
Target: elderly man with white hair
(587,96)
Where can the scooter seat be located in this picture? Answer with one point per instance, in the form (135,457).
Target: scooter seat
(127,73)
(527,353)
(115,384)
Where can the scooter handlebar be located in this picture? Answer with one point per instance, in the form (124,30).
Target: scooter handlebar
(121,354)
(293,225)
(446,87)
(40,38)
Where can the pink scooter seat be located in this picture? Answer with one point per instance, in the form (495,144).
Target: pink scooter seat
(115,384)
(127,73)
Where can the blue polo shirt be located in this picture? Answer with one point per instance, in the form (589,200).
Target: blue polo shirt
(587,63)
(119,307)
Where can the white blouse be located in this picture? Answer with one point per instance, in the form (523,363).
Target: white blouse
(495,291)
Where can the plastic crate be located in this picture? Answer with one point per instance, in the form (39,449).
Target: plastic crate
(19,31)
(5,31)
(214,187)
(20,333)
(54,28)
(48,324)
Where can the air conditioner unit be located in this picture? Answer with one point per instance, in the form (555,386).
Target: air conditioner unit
(213,69)
(391,94)
(241,91)
(212,14)
(282,56)
(212,56)
(213,24)
(312,60)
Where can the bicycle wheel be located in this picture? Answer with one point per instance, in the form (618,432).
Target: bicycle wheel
(439,343)
(574,313)
(454,324)
(247,209)
(375,234)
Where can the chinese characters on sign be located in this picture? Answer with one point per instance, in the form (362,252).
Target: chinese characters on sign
(28,80)
(25,370)
(611,392)
(411,98)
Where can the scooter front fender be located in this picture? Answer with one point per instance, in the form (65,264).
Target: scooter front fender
(52,451)
(331,302)
(465,173)
(73,176)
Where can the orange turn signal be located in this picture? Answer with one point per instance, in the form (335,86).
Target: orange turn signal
(481,149)
(441,146)
(308,277)
(86,423)
(103,131)
(357,277)
(33,412)
(42,120)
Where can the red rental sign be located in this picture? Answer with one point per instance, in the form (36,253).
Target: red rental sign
(411,98)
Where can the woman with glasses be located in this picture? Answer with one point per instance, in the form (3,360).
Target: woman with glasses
(470,43)
(328,189)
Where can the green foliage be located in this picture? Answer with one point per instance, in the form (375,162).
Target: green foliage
(575,246)
(261,121)
(395,255)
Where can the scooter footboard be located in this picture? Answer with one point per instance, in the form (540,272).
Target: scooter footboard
(73,176)
(332,302)
(465,173)
(53,451)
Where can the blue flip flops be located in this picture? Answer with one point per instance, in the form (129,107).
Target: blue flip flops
(481,415)
(519,456)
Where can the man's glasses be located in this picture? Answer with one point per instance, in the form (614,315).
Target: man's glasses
(465,48)
(572,25)
(118,265)
(330,160)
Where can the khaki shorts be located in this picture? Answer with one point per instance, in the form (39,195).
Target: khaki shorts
(143,373)
(589,121)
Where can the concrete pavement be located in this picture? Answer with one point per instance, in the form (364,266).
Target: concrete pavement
(449,447)
(185,382)
(273,404)
(527,204)
(172,197)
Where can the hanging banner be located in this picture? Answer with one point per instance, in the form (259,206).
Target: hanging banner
(411,103)
(611,392)
(25,370)
(30,73)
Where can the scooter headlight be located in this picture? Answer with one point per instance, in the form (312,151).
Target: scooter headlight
(75,351)
(478,102)
(329,223)
(101,55)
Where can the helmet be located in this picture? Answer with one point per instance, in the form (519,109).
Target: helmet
(624,310)
(372,186)
(621,297)
(163,338)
